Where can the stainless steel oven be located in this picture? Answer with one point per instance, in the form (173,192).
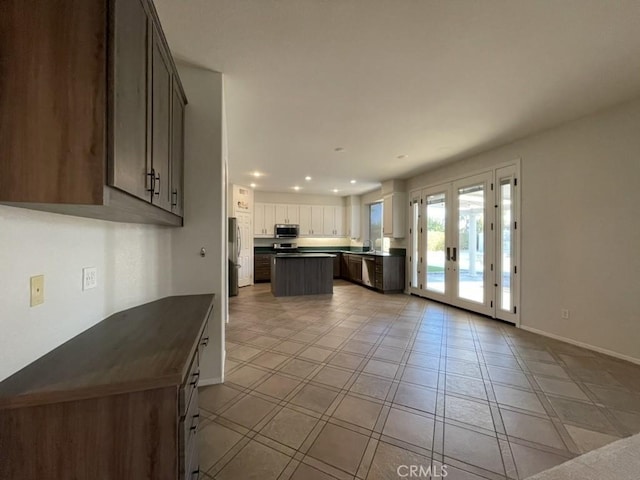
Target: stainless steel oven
(287,231)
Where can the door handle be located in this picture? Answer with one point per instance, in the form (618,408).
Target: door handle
(454,256)
(152,181)
(448,253)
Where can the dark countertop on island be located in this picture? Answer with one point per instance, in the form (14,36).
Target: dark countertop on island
(304,255)
(393,252)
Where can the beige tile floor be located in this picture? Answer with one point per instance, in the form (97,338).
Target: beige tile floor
(357,384)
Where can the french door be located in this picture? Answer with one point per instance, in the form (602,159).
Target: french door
(463,239)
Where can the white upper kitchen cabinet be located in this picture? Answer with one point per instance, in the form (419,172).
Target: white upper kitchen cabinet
(311,220)
(352,223)
(333,224)
(264,219)
(288,214)
(393,215)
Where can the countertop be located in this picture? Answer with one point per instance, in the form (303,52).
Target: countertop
(330,251)
(144,347)
(304,255)
(370,254)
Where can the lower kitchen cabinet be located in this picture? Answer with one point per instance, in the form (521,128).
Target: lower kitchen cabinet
(262,267)
(383,273)
(337,261)
(355,268)
(119,401)
(390,275)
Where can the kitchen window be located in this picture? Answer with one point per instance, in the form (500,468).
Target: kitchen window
(378,242)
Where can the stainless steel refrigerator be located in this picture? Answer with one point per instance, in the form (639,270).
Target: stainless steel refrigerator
(234,254)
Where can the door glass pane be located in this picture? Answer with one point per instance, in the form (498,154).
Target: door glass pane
(436,215)
(470,254)
(415,228)
(505,245)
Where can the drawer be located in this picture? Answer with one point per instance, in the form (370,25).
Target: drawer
(191,384)
(188,431)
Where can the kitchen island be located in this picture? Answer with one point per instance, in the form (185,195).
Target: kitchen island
(301,274)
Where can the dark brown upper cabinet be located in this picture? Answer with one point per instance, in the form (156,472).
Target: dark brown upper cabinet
(177,150)
(91,111)
(162,96)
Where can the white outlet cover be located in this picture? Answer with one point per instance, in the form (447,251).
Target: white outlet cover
(89,278)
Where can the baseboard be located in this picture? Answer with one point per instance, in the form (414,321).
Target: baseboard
(205,382)
(582,344)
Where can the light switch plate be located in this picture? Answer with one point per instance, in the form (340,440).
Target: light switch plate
(89,278)
(37,290)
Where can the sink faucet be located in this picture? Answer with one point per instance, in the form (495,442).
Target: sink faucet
(368,244)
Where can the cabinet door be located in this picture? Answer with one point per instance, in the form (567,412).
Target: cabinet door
(269,219)
(293,214)
(328,223)
(387,216)
(344,266)
(128,166)
(305,220)
(393,215)
(258,220)
(161,123)
(317,220)
(281,214)
(355,268)
(177,151)
(339,222)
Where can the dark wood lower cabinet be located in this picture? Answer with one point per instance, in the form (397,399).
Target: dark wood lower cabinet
(387,275)
(262,267)
(337,261)
(117,402)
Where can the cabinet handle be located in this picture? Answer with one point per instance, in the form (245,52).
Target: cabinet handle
(174,194)
(205,341)
(152,181)
(195,377)
(154,185)
(195,474)
(196,417)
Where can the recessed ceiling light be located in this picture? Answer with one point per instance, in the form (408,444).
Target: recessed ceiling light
(352,182)
(400,157)
(307,178)
(339,149)
(256,174)
(253,185)
(296,188)
(335,190)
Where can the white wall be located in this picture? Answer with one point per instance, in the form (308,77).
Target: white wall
(580,226)
(134,267)
(298,198)
(205,215)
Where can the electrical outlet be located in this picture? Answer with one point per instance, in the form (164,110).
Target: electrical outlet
(564,313)
(37,290)
(89,278)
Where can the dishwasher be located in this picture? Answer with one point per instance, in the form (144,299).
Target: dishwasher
(368,270)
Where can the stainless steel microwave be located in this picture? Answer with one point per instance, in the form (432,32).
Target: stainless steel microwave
(287,231)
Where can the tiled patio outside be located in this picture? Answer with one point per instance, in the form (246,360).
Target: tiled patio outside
(357,384)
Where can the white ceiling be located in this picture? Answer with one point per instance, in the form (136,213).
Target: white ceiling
(434,80)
